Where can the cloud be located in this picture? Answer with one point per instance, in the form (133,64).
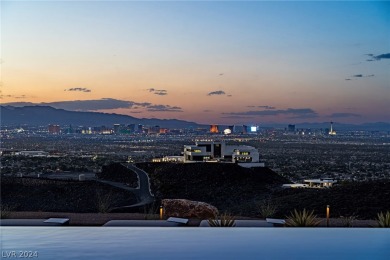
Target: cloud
(13,96)
(160,92)
(101,104)
(378,57)
(304,116)
(340,115)
(238,117)
(360,76)
(264,107)
(164,108)
(78,89)
(295,112)
(88,105)
(218,92)
(207,110)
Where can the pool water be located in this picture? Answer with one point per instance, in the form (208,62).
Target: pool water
(195,243)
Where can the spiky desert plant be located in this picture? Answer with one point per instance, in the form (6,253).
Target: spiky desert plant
(103,202)
(267,208)
(225,220)
(302,219)
(384,219)
(150,212)
(5,211)
(348,220)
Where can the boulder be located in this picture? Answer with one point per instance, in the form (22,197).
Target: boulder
(182,208)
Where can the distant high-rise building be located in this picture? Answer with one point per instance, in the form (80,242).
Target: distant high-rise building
(291,128)
(140,128)
(231,128)
(131,128)
(54,129)
(244,129)
(116,128)
(332,131)
(153,129)
(70,130)
(164,130)
(214,129)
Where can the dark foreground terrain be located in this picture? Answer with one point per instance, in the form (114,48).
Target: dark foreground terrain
(29,194)
(361,199)
(229,187)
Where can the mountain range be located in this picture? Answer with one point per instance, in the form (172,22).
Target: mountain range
(45,115)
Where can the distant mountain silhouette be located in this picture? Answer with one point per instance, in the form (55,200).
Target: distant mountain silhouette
(44,115)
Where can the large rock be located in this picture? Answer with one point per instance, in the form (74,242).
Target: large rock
(182,208)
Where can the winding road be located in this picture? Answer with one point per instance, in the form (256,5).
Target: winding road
(143,192)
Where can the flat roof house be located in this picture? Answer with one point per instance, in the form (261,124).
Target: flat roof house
(209,150)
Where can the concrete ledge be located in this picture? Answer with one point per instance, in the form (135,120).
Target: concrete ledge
(61,221)
(243,223)
(276,222)
(141,223)
(183,221)
(30,222)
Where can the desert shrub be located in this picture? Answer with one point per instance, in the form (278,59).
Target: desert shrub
(267,208)
(225,220)
(384,219)
(103,202)
(302,219)
(151,212)
(5,211)
(348,220)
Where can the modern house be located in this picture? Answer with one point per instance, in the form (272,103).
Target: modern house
(33,153)
(313,183)
(320,183)
(210,150)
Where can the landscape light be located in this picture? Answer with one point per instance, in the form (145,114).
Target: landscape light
(327,215)
(161,212)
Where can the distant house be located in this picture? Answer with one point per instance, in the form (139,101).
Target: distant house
(169,159)
(216,151)
(33,153)
(320,183)
(209,150)
(312,183)
(295,185)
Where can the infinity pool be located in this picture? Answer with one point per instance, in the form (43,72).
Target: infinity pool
(195,243)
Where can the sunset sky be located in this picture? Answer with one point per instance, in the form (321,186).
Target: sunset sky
(208,62)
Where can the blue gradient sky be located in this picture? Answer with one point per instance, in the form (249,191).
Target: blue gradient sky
(209,62)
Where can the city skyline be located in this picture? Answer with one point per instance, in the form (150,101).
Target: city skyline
(207,62)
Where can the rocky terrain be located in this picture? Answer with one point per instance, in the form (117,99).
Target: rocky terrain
(119,173)
(228,187)
(361,199)
(29,194)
